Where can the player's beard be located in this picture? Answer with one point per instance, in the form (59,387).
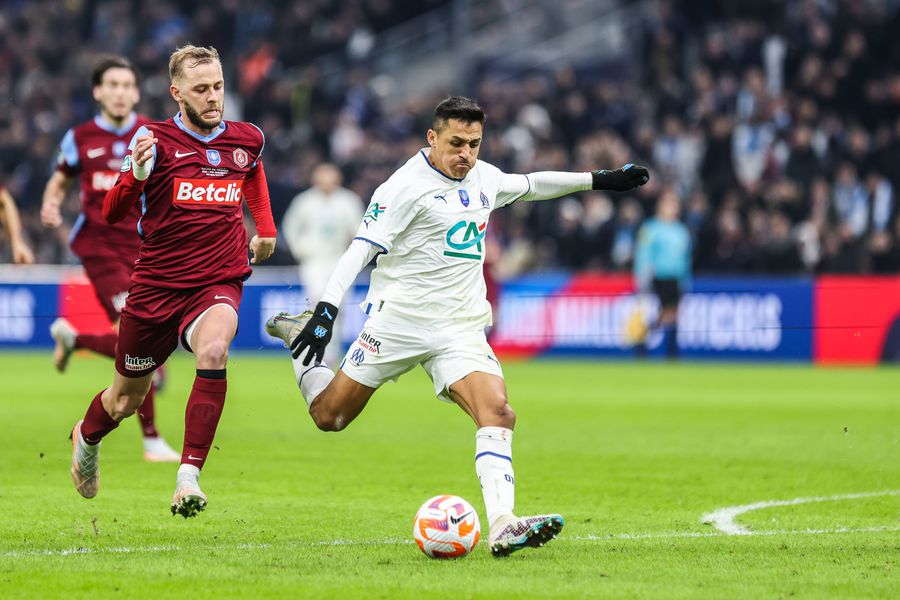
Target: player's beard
(198,121)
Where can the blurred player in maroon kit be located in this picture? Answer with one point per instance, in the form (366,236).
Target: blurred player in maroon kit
(189,175)
(93,152)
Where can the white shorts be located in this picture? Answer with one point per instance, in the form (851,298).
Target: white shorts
(383,352)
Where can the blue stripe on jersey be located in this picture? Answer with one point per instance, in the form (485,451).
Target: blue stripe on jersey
(433,168)
(383,249)
(261,148)
(140,228)
(119,131)
(477,456)
(203,138)
(79,223)
(69,149)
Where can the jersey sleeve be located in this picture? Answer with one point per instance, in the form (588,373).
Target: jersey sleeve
(68,162)
(389,213)
(262,145)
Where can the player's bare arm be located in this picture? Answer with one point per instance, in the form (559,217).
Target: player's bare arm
(54,195)
(9,215)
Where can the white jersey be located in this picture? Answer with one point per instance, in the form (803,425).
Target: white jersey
(432,229)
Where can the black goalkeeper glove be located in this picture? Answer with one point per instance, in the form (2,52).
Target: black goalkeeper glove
(316,334)
(622,179)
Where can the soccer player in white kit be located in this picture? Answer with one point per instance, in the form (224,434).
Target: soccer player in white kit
(426,303)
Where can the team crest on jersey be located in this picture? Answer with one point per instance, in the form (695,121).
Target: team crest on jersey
(465,240)
(212,156)
(241,158)
(119,147)
(464,198)
(485,203)
(126,164)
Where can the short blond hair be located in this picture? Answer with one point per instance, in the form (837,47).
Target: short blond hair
(193,56)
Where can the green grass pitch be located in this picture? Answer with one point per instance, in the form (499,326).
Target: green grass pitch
(633,455)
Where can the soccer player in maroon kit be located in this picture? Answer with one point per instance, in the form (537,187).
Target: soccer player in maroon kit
(190,175)
(93,152)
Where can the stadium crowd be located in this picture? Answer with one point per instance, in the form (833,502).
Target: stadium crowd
(775,123)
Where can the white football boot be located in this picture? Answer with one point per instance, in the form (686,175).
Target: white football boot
(512,533)
(157,450)
(188,499)
(85,464)
(287,327)
(63,334)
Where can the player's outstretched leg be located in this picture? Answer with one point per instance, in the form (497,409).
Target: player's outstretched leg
(312,378)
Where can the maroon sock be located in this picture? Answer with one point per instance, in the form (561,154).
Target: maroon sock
(204,407)
(97,422)
(101,343)
(147,414)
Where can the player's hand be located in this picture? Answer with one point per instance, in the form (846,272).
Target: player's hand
(50,215)
(261,249)
(316,335)
(626,177)
(22,254)
(142,155)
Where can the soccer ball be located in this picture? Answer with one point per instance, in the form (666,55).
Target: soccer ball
(446,527)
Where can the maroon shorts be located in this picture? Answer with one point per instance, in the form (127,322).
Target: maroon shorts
(110,276)
(154,319)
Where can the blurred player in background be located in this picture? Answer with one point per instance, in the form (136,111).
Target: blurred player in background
(317,227)
(190,174)
(662,264)
(427,305)
(9,218)
(93,153)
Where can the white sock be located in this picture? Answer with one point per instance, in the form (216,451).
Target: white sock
(312,379)
(188,471)
(493,463)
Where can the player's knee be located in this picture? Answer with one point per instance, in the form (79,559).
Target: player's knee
(326,418)
(212,355)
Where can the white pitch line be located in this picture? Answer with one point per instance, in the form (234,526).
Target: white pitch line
(723,519)
(402,542)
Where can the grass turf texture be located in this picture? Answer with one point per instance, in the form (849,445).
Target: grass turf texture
(620,450)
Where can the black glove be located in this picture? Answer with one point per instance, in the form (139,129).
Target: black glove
(316,334)
(622,179)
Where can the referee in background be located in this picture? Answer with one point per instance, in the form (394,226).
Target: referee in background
(662,263)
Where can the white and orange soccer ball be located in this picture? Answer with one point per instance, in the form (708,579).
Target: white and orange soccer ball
(446,527)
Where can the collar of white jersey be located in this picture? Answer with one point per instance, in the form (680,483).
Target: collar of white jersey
(203,138)
(438,171)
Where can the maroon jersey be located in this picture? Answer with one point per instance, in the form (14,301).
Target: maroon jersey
(192,226)
(94,151)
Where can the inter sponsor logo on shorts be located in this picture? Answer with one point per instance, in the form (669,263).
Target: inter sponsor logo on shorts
(204,192)
(136,363)
(369,342)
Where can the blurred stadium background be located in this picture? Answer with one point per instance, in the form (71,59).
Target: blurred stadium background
(776,123)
